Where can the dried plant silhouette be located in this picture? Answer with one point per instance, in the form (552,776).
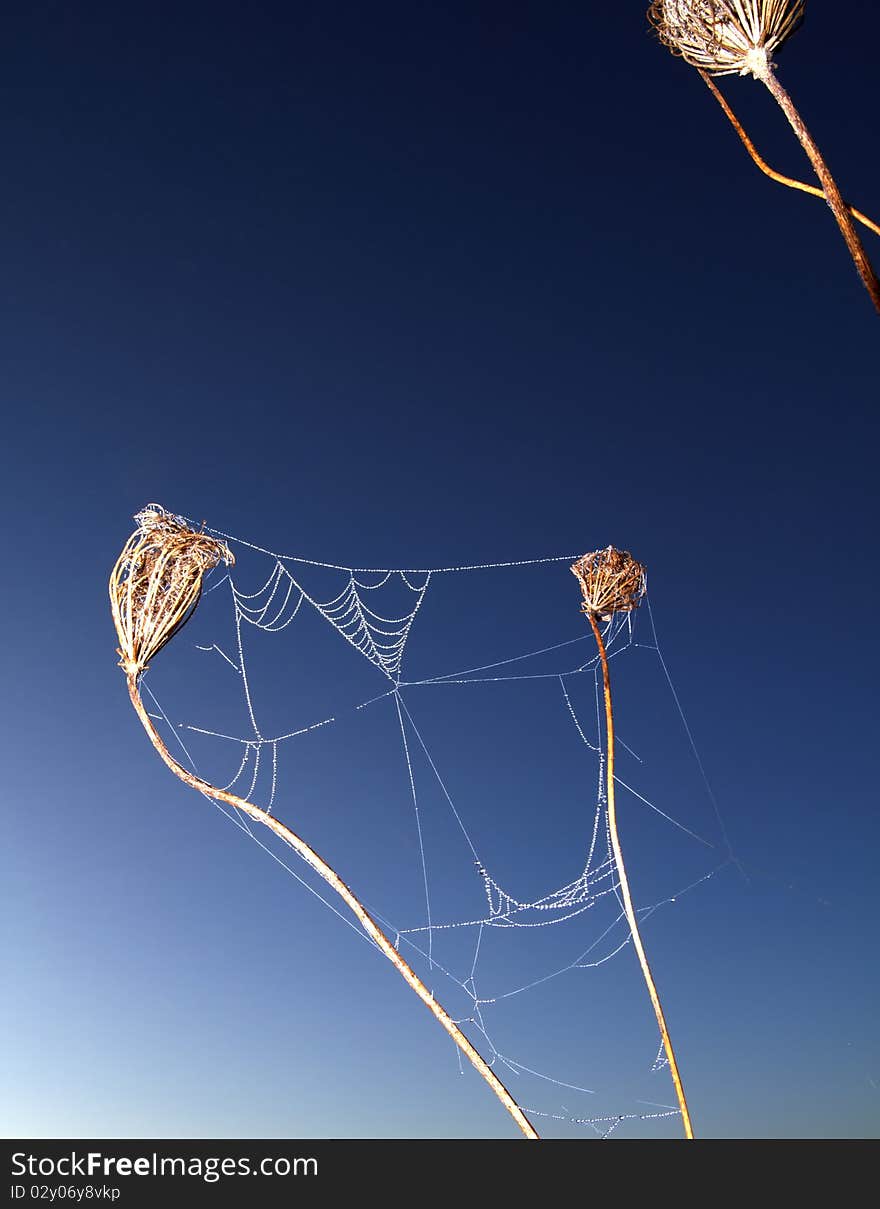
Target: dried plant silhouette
(155,587)
(726,37)
(613,582)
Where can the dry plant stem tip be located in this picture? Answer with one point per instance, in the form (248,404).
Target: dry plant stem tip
(332,879)
(838,206)
(624,884)
(762,163)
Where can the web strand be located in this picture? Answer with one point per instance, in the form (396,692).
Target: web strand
(358,610)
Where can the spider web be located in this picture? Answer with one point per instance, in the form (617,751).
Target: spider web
(469,915)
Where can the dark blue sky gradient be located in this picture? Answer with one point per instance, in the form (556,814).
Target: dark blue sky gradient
(416,286)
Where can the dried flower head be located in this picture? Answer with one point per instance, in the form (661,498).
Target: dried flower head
(611,581)
(157,582)
(724,37)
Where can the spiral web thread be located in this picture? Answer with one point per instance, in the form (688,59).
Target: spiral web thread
(381,637)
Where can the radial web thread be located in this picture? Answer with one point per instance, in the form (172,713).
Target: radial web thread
(380,634)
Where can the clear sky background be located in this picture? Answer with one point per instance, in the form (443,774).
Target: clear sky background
(421,286)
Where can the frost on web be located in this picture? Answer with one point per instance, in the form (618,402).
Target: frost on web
(320,690)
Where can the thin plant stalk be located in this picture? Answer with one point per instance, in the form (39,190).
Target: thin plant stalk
(743,36)
(763,71)
(624,884)
(761,163)
(155,587)
(332,879)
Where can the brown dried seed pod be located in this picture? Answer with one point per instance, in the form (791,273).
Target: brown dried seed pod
(611,581)
(726,36)
(157,581)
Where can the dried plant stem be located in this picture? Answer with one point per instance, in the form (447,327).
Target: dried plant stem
(762,163)
(624,884)
(839,208)
(370,927)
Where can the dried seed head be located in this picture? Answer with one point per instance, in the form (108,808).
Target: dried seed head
(611,581)
(726,36)
(157,581)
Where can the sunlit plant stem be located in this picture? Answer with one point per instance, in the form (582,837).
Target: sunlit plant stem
(727,37)
(759,160)
(155,587)
(612,581)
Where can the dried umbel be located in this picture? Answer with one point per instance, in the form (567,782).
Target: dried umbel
(611,581)
(722,37)
(725,37)
(157,582)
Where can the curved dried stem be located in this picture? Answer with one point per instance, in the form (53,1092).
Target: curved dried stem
(838,206)
(625,892)
(333,880)
(612,581)
(762,163)
(723,37)
(154,588)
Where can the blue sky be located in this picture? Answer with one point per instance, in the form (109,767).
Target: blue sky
(432,287)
